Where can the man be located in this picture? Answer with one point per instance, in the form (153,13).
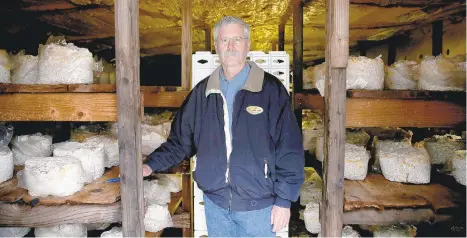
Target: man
(239,123)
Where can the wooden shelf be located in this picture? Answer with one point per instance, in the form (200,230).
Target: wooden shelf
(95,102)
(395,108)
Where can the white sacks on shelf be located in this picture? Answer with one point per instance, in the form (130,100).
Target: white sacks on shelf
(355,162)
(402,75)
(173,182)
(14,231)
(29,146)
(64,230)
(153,136)
(457,161)
(157,217)
(311,216)
(110,148)
(394,231)
(5,67)
(156,193)
(362,73)
(347,232)
(91,157)
(57,176)
(401,162)
(65,64)
(25,69)
(310,192)
(114,232)
(6,164)
(441,148)
(441,74)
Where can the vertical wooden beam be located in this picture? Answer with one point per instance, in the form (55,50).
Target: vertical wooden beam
(186,202)
(274,45)
(186,44)
(129,116)
(392,49)
(207,38)
(337,53)
(437,37)
(297,9)
(281,37)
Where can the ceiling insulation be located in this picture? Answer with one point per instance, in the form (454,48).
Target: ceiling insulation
(92,21)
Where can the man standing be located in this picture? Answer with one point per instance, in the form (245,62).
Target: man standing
(239,123)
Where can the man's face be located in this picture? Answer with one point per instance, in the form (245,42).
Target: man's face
(231,45)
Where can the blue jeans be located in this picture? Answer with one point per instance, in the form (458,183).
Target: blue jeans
(224,223)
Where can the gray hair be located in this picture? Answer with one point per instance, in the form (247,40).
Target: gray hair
(227,20)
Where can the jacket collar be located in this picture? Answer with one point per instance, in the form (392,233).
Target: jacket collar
(254,82)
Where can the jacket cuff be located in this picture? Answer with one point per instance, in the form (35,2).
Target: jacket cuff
(282,202)
(153,164)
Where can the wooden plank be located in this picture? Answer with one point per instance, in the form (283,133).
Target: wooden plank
(76,88)
(337,53)
(165,99)
(58,107)
(129,116)
(379,193)
(187,200)
(393,216)
(186,44)
(42,216)
(9,192)
(374,112)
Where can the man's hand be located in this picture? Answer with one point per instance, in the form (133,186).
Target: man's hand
(146,170)
(279,218)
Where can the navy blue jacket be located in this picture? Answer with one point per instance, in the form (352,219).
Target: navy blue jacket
(261,165)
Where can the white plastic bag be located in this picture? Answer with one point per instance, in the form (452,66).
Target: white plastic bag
(311,215)
(25,69)
(6,164)
(65,64)
(56,176)
(110,148)
(156,193)
(402,75)
(14,231)
(90,155)
(157,218)
(65,230)
(362,73)
(356,162)
(172,182)
(153,136)
(400,162)
(442,147)
(5,67)
(441,74)
(310,192)
(29,146)
(114,232)
(459,166)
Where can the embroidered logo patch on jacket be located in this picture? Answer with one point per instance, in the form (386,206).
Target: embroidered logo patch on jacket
(254,110)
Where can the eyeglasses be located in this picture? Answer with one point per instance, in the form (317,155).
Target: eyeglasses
(236,40)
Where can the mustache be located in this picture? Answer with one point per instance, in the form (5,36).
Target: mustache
(230,53)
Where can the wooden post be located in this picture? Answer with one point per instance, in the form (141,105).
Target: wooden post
(274,45)
(129,116)
(281,37)
(186,44)
(392,49)
(297,9)
(337,53)
(437,38)
(186,201)
(207,36)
